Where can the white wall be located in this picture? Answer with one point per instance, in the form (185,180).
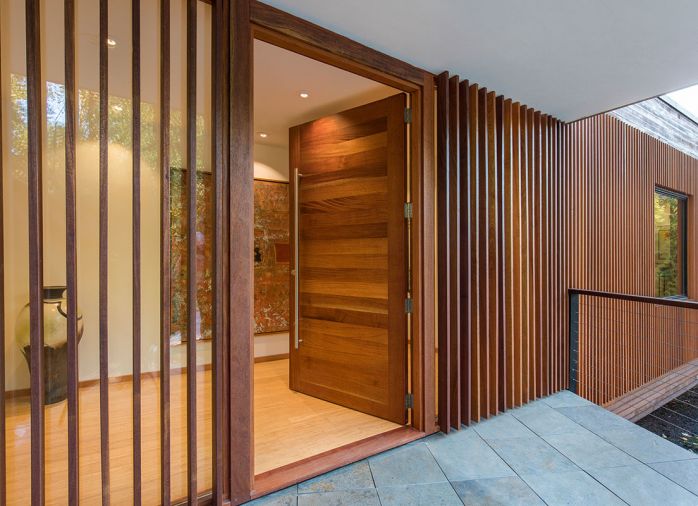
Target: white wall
(272,164)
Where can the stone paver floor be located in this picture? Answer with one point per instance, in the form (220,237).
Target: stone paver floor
(558,450)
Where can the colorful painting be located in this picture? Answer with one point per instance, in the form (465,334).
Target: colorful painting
(178,255)
(271,257)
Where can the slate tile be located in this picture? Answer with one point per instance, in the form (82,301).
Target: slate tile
(430,494)
(510,491)
(641,485)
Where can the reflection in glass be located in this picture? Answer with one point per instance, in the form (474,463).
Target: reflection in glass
(669,244)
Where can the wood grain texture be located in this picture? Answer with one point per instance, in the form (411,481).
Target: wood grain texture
(351,266)
(192,253)
(511,338)
(361,57)
(71,252)
(136,244)
(104,248)
(35,224)
(240,250)
(614,170)
(165,282)
(219,92)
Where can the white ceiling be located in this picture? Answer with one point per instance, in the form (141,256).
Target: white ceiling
(568,58)
(280,76)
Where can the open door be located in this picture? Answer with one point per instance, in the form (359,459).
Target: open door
(348,332)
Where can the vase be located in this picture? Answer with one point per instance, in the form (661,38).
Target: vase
(55,308)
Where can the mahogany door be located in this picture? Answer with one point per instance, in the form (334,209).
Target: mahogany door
(348,333)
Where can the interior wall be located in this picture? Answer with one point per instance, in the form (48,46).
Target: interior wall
(12,80)
(271,162)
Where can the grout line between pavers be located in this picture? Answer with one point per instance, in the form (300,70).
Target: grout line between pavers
(633,457)
(514,470)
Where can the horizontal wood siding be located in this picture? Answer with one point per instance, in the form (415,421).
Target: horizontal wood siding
(614,169)
(510,329)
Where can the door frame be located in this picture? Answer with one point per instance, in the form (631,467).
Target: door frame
(250,20)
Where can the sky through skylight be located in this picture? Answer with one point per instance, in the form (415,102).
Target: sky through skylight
(686,100)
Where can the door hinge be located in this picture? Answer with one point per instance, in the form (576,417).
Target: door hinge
(409,401)
(408,115)
(408,305)
(408,210)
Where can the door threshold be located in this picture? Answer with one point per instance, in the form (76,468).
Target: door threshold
(296,472)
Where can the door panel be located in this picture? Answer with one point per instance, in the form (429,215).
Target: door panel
(351,269)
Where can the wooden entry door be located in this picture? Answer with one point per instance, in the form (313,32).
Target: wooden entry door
(348,333)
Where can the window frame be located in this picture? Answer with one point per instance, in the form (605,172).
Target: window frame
(682,199)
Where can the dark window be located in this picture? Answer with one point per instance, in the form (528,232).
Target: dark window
(669,243)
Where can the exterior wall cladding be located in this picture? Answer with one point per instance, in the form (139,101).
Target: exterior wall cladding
(529,208)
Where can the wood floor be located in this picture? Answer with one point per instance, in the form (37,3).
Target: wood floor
(288,427)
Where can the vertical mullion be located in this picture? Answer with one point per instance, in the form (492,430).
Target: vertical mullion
(104,245)
(36,326)
(165,296)
(218,91)
(136,244)
(191,251)
(71,253)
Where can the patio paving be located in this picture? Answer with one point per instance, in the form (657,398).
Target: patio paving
(557,450)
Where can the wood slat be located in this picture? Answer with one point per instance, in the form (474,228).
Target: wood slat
(240,244)
(3,452)
(71,252)
(104,246)
(625,339)
(191,250)
(444,251)
(505,267)
(136,241)
(219,87)
(454,174)
(34,185)
(165,282)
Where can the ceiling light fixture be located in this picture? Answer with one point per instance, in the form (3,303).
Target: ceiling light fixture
(263,135)
(304,94)
(111,43)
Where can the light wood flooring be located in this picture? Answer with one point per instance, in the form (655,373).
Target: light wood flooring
(288,427)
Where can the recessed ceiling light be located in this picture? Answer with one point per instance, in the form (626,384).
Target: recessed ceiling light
(263,135)
(304,94)
(111,43)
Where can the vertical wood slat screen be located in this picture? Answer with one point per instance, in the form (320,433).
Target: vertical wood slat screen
(35,166)
(613,172)
(502,249)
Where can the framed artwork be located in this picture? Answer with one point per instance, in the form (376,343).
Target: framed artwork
(178,255)
(271,256)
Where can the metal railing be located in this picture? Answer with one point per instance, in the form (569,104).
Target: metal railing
(621,342)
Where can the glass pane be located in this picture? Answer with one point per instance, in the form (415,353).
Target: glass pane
(668,245)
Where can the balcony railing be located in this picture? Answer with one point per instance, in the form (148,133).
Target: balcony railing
(632,353)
